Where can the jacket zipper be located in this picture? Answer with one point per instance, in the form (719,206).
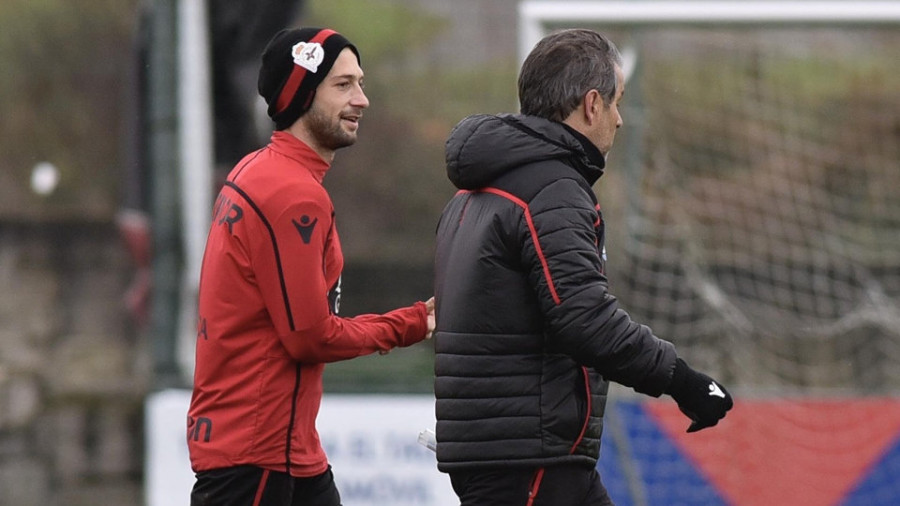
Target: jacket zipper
(587,415)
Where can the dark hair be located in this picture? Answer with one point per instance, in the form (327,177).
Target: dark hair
(562,68)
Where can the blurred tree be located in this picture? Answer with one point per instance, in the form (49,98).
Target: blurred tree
(61,93)
(391,185)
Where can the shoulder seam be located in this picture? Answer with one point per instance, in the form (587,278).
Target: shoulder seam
(265,221)
(535,239)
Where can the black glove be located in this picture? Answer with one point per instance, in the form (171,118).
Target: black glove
(699,397)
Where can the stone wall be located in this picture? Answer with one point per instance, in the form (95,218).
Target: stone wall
(73,369)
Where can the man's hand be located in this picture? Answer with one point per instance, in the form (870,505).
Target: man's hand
(429,305)
(429,321)
(699,397)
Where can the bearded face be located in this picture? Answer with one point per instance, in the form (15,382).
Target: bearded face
(330,129)
(332,121)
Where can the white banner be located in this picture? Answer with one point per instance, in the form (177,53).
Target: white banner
(371,442)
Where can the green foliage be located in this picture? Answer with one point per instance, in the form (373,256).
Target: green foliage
(392,183)
(382,30)
(782,95)
(394,41)
(403,370)
(61,93)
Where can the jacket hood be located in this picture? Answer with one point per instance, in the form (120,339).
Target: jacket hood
(483,147)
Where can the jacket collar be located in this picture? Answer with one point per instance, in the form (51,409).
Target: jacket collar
(286,144)
(596,161)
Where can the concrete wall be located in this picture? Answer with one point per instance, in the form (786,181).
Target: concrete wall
(73,372)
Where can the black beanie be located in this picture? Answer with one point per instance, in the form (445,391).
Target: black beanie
(293,64)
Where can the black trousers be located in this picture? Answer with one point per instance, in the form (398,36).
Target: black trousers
(254,486)
(562,485)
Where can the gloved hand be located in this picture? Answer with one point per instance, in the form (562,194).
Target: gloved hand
(699,397)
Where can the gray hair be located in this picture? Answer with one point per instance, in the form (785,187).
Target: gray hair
(562,68)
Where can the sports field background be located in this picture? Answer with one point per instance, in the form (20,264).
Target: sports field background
(750,200)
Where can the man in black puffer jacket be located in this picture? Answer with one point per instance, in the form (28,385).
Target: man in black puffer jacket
(527,333)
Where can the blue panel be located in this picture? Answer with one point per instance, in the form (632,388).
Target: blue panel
(881,485)
(663,476)
(610,466)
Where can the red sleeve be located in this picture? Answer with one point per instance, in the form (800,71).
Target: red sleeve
(295,285)
(336,338)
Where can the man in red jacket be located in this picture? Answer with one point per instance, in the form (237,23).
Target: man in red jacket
(270,290)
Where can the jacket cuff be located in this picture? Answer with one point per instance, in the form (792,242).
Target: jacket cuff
(679,375)
(418,326)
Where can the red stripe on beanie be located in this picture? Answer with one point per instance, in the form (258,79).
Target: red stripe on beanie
(297,74)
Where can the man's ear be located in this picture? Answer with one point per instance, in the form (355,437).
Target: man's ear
(593,106)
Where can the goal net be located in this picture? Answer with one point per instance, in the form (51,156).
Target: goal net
(766,222)
(753,201)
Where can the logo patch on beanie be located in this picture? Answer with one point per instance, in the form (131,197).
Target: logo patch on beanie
(308,55)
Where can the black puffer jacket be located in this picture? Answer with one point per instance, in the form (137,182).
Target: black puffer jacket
(525,323)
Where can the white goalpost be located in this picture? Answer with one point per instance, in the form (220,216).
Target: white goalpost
(536,15)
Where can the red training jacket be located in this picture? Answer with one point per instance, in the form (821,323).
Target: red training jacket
(269,296)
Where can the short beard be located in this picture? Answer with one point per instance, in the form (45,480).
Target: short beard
(327,131)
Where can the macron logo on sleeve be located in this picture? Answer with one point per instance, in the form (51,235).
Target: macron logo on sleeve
(305,226)
(715,391)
